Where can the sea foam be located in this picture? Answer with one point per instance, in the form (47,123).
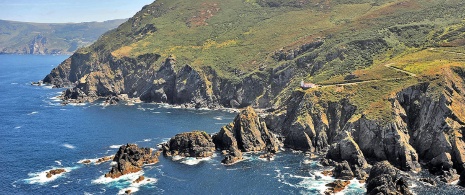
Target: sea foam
(41,177)
(66,145)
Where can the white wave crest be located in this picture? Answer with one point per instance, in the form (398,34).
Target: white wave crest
(115,146)
(66,145)
(41,177)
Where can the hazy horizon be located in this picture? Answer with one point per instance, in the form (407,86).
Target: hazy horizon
(69,11)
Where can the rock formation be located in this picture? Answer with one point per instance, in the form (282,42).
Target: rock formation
(336,186)
(130,159)
(247,133)
(385,179)
(54,172)
(192,144)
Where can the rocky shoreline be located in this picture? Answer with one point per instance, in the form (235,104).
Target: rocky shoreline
(422,131)
(248,133)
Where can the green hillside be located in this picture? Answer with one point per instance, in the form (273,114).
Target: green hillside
(256,52)
(43,38)
(244,35)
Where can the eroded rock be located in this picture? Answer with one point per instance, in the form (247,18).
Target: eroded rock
(130,159)
(336,186)
(191,144)
(247,133)
(386,179)
(54,172)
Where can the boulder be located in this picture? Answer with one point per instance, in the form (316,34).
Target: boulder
(386,179)
(104,159)
(191,144)
(130,159)
(55,172)
(139,179)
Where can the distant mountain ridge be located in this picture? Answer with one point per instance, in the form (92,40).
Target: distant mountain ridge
(50,38)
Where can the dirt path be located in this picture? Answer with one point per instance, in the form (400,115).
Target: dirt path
(374,80)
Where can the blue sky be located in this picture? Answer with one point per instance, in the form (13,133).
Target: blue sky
(62,11)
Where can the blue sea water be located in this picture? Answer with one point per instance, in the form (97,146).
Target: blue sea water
(38,134)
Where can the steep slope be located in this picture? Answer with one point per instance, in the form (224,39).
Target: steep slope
(240,53)
(407,121)
(43,38)
(390,73)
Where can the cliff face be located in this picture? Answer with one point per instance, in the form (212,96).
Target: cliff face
(425,126)
(101,76)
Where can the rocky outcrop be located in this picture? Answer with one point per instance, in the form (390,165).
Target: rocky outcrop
(248,133)
(426,123)
(130,159)
(54,172)
(347,150)
(385,179)
(192,144)
(336,186)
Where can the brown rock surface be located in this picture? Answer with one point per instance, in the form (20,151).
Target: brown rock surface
(247,133)
(139,179)
(190,144)
(336,186)
(130,159)
(55,172)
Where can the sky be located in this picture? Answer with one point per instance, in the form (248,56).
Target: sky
(64,11)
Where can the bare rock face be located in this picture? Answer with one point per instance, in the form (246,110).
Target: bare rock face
(348,150)
(248,133)
(191,144)
(386,179)
(130,159)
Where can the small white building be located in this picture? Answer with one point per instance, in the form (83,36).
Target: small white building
(305,85)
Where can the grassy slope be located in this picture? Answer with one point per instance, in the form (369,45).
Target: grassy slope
(66,37)
(364,35)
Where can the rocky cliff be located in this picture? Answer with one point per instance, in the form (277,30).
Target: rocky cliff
(424,126)
(248,133)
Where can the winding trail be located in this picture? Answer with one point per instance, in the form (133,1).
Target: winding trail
(374,80)
(410,74)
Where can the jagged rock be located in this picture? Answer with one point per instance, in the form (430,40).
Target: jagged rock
(191,144)
(428,180)
(130,159)
(386,179)
(448,176)
(247,133)
(139,179)
(336,186)
(268,156)
(327,173)
(343,171)
(104,159)
(440,163)
(86,161)
(346,149)
(54,172)
(462,179)
(232,156)
(327,162)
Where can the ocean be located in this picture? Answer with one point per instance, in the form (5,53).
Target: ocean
(38,134)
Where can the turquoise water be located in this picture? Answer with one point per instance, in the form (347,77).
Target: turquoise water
(38,134)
